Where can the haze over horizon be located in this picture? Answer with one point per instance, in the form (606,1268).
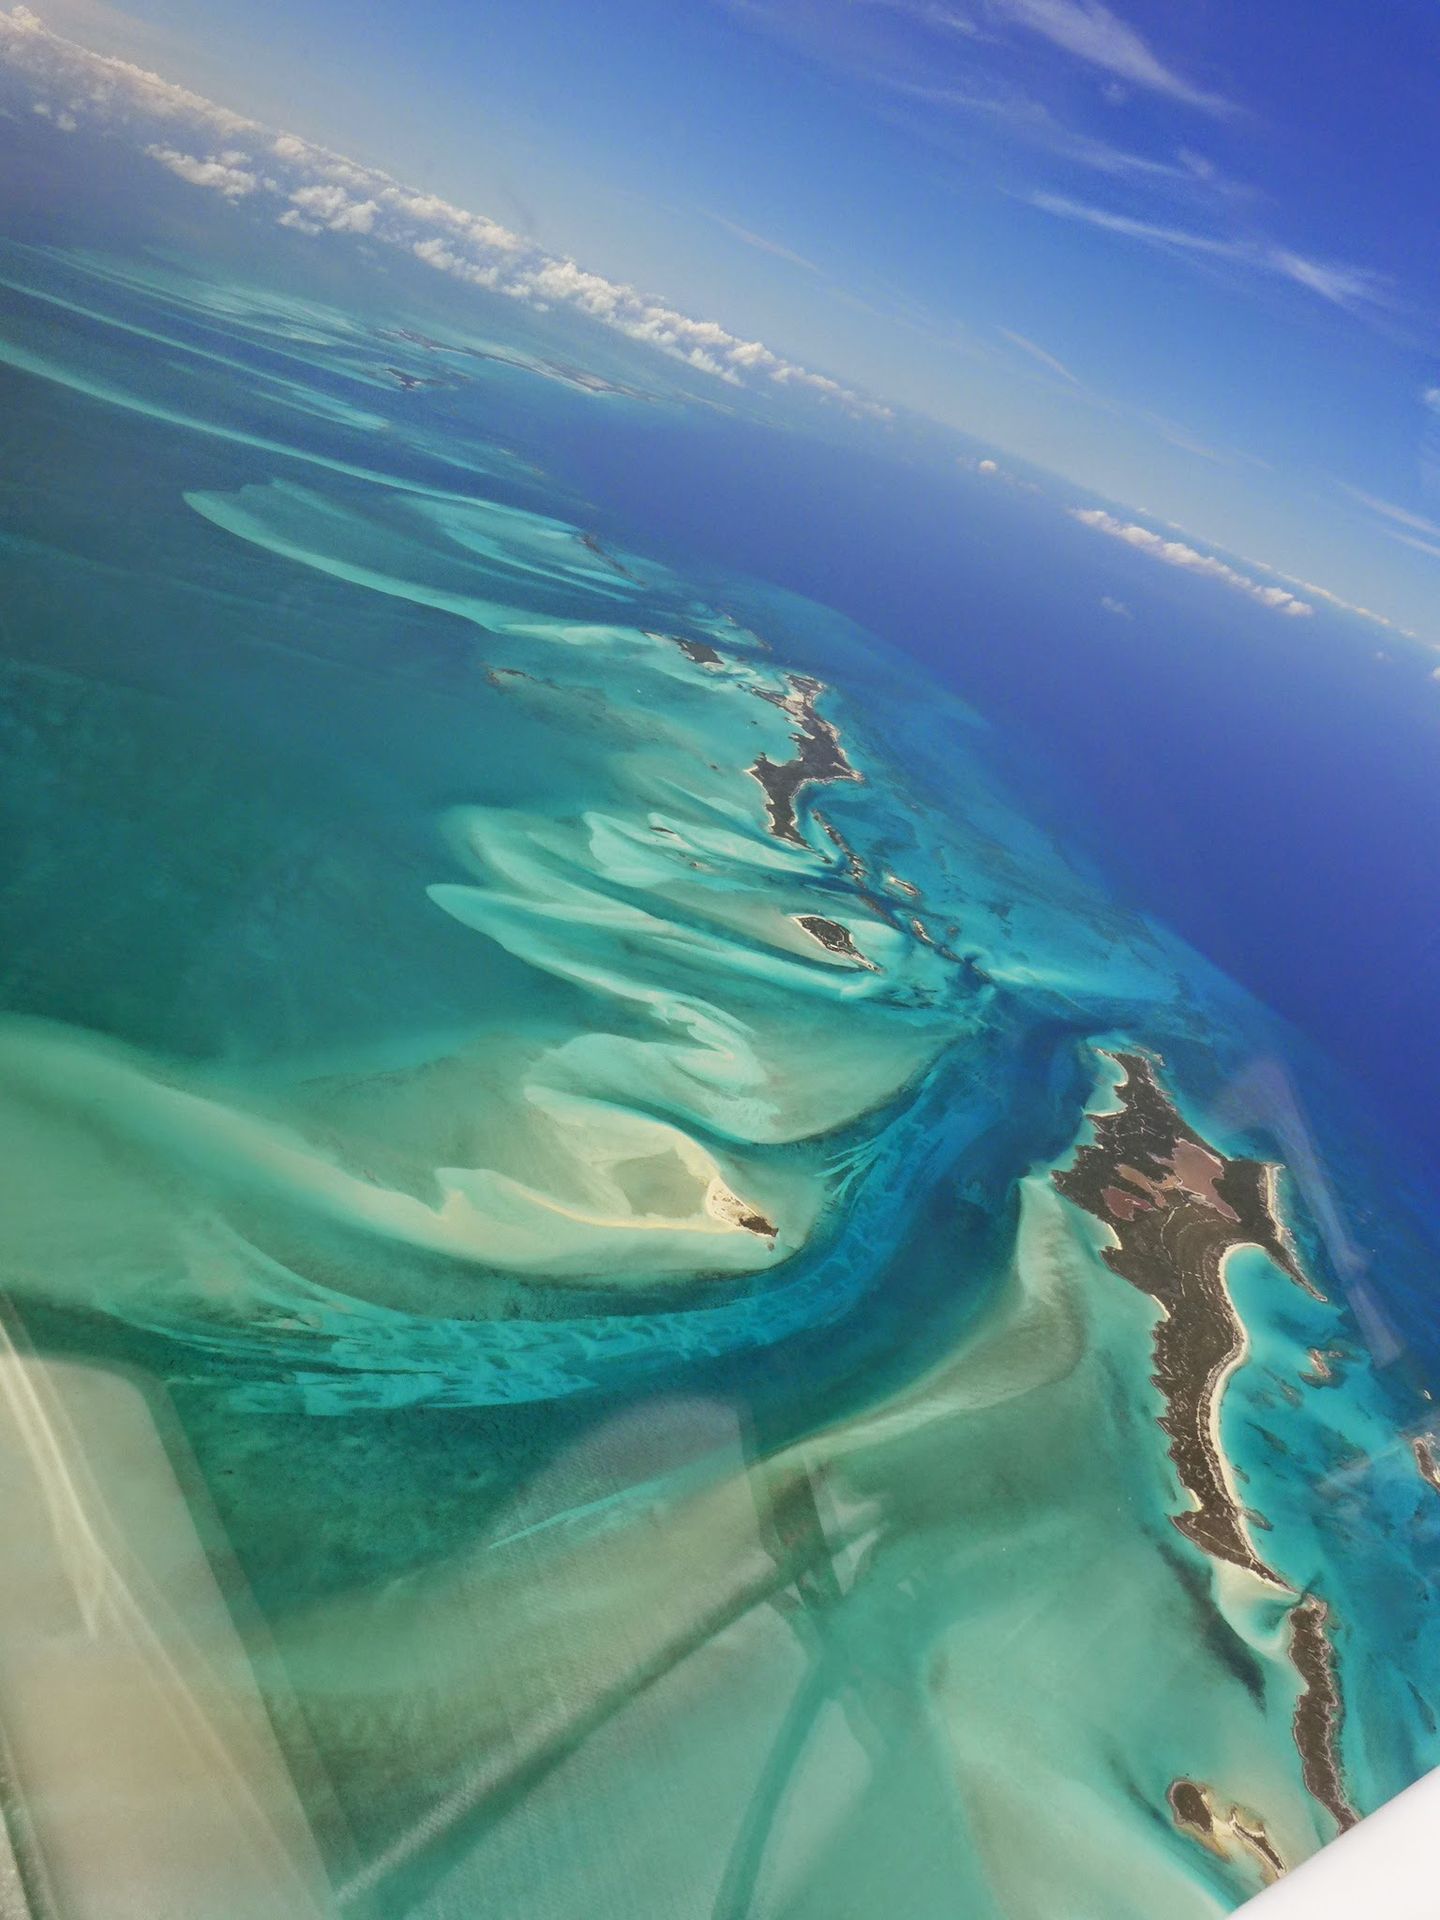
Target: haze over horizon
(1115,247)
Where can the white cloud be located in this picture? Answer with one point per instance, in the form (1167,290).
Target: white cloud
(1027,119)
(332,207)
(992,470)
(100,88)
(435,253)
(1344,286)
(1401,516)
(1332,280)
(233,182)
(1311,591)
(1333,599)
(1188,442)
(1038,353)
(1085,29)
(1117,607)
(1147,230)
(43,110)
(1430,397)
(1092,33)
(762,245)
(429,210)
(323,191)
(358,217)
(1176,553)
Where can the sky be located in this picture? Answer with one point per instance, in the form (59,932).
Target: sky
(1182,256)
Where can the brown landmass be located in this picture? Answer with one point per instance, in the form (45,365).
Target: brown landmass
(853,862)
(820,760)
(591,544)
(834,938)
(883,908)
(1319,1710)
(725,1204)
(1423,1448)
(1323,1370)
(820,757)
(1177,1208)
(700,651)
(1231,1833)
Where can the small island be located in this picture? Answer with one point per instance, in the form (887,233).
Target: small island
(1177,1208)
(821,757)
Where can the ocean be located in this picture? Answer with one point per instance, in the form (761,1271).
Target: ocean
(625,1025)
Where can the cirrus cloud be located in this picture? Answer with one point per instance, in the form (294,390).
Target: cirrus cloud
(1355,288)
(1092,33)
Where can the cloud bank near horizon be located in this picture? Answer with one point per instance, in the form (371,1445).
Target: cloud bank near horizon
(315,190)
(1179,553)
(309,189)
(1176,553)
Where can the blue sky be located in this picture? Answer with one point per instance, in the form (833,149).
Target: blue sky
(1184,256)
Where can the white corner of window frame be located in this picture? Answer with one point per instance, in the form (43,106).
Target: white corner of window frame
(1386,1868)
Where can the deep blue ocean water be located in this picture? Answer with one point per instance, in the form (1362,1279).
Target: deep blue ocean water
(1269,788)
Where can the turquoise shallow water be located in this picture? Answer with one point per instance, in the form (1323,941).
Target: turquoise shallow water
(547,1370)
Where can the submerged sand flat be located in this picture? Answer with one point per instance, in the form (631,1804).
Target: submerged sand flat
(625,1292)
